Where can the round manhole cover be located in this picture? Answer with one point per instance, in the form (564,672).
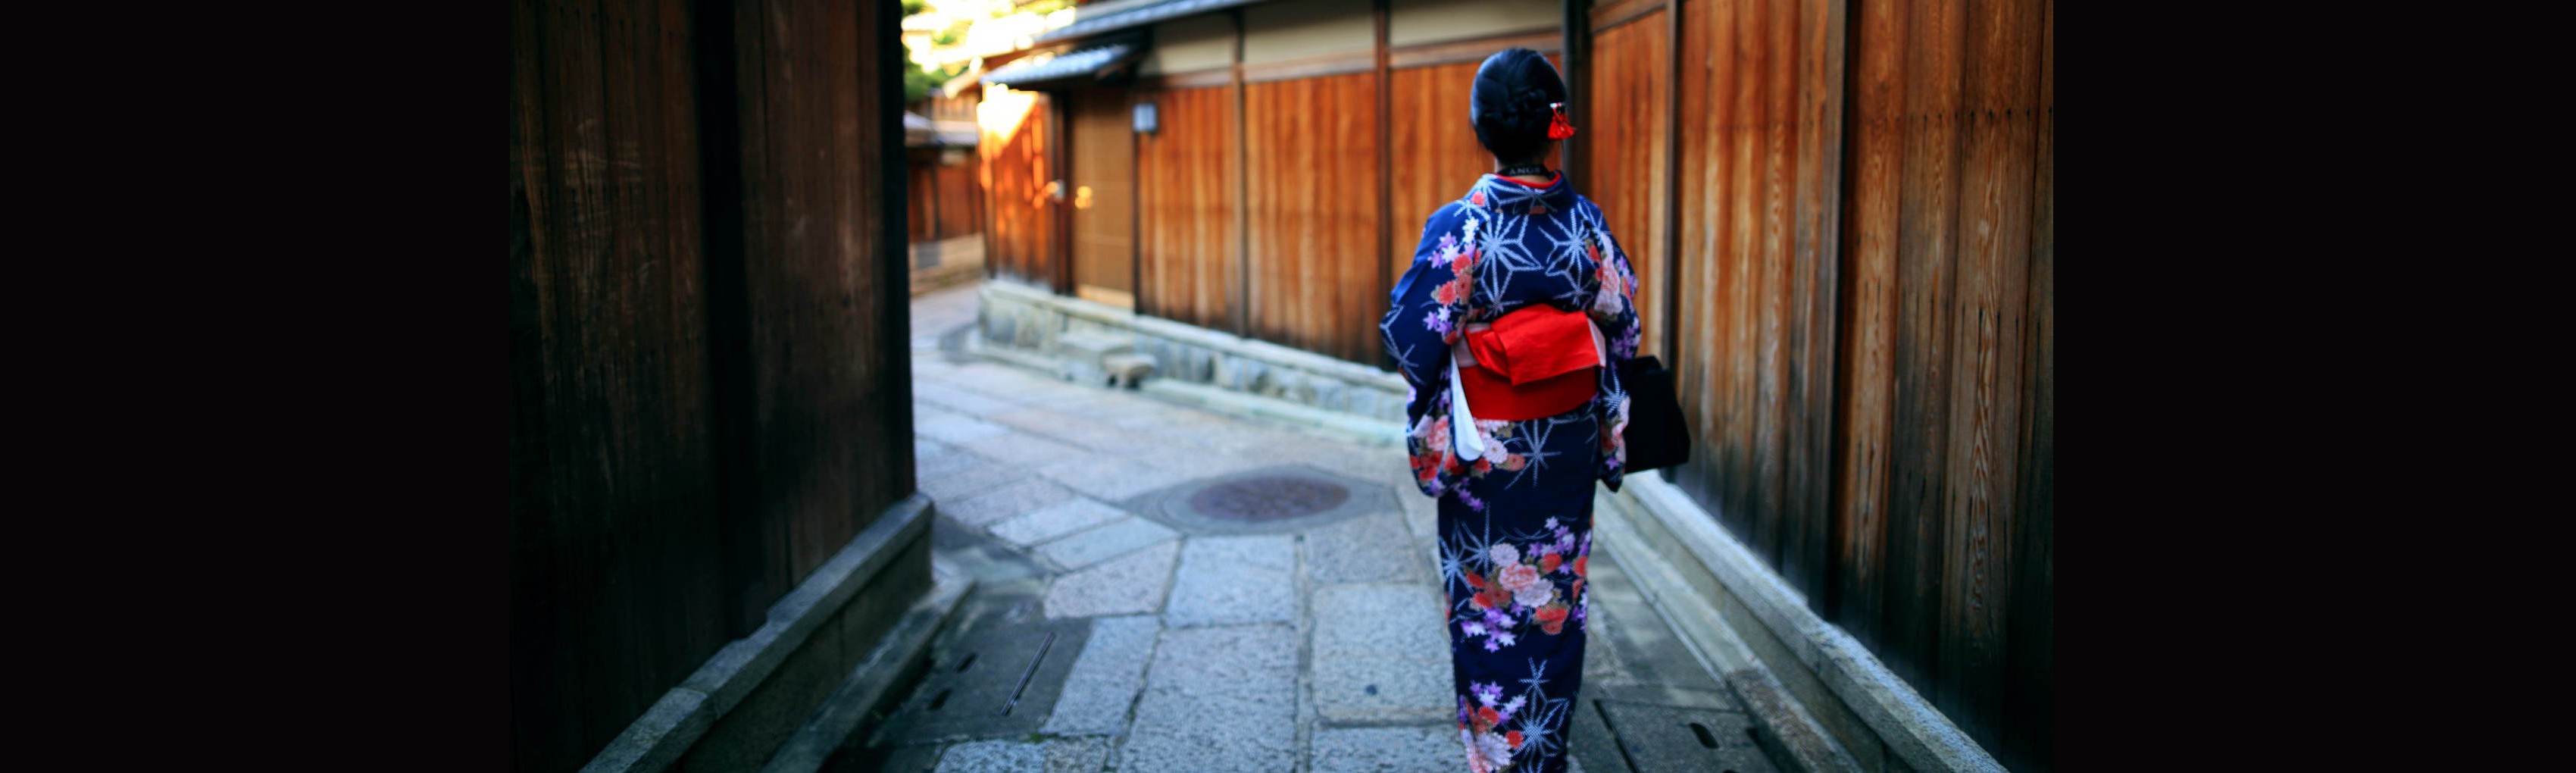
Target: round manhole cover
(1268,498)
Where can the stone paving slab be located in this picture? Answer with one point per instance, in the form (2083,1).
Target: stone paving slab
(993,757)
(1380,654)
(1217,700)
(1386,750)
(1369,548)
(1010,499)
(1235,580)
(985,476)
(1102,543)
(1056,520)
(1106,678)
(925,468)
(954,428)
(964,402)
(1108,478)
(1131,584)
(1381,688)
(1023,449)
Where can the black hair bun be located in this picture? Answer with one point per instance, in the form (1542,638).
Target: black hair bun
(1508,103)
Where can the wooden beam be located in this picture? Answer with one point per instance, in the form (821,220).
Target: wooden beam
(1198,79)
(1343,63)
(1606,17)
(1545,41)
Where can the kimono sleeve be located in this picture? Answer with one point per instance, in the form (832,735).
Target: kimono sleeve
(1426,313)
(1614,308)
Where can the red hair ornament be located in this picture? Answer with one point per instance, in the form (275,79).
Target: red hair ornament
(1557,127)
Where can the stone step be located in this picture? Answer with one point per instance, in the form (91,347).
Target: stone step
(1127,370)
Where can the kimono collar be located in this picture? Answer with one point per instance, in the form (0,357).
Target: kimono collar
(1504,194)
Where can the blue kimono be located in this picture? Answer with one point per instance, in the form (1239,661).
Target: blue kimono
(1515,524)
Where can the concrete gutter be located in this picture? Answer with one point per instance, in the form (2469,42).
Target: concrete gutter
(1876,717)
(684,714)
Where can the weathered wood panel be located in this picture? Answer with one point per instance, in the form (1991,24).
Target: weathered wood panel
(1989,324)
(1313,233)
(615,592)
(705,219)
(823,408)
(1756,202)
(1865,350)
(1186,193)
(1103,176)
(921,213)
(1022,242)
(1625,139)
(961,196)
(1436,156)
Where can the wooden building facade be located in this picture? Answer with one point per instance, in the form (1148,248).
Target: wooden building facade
(1841,211)
(707,342)
(946,195)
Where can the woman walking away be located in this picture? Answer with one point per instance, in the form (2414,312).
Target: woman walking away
(1516,303)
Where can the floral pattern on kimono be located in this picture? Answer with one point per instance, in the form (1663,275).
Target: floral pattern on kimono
(1515,525)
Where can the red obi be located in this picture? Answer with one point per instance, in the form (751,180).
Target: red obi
(1533,363)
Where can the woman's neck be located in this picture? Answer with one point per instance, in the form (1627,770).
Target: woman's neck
(1532,172)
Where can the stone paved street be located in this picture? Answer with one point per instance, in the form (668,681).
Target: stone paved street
(1312,646)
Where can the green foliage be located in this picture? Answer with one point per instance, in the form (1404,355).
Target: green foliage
(911,7)
(947,37)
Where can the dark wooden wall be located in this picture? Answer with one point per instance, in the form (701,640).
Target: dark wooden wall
(1944,500)
(706,387)
(1316,279)
(1190,243)
(1625,138)
(1863,332)
(1023,241)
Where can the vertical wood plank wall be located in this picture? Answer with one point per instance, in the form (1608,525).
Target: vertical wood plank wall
(1864,338)
(1102,144)
(1625,140)
(703,212)
(1186,192)
(608,318)
(1021,241)
(1313,219)
(1755,270)
(960,208)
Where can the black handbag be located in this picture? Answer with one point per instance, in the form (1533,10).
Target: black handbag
(1657,435)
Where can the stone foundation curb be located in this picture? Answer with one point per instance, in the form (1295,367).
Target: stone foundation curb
(872,682)
(1013,317)
(1796,645)
(684,714)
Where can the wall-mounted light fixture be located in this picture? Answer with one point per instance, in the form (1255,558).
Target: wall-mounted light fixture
(1145,119)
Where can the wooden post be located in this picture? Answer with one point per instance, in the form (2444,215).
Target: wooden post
(1242,194)
(1385,173)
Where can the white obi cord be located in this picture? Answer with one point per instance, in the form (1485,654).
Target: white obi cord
(1464,440)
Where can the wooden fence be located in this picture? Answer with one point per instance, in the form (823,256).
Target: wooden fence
(1860,311)
(706,387)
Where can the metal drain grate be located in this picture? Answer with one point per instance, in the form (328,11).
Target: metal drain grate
(997,677)
(1271,500)
(1268,498)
